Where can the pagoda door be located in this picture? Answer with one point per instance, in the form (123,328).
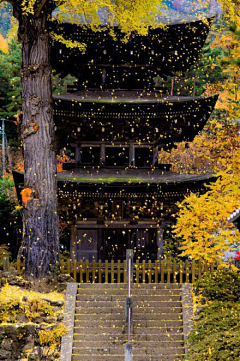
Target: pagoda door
(87,244)
(116,243)
(145,245)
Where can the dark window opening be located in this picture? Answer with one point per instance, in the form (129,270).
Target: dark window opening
(117,156)
(143,157)
(90,155)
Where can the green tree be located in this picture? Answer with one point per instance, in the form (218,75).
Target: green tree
(10,80)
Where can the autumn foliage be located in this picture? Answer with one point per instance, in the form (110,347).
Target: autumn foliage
(3,44)
(26,196)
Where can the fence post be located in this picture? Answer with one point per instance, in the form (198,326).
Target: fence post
(87,271)
(162,271)
(149,271)
(187,271)
(174,272)
(181,271)
(124,271)
(75,270)
(156,271)
(143,271)
(106,271)
(168,270)
(137,271)
(112,271)
(193,271)
(119,271)
(81,271)
(93,271)
(100,271)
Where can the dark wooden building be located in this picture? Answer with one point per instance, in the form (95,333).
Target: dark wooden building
(111,126)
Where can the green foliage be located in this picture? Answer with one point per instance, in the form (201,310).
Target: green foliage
(10,215)
(216,334)
(222,285)
(4,252)
(8,200)
(209,70)
(170,244)
(219,346)
(10,80)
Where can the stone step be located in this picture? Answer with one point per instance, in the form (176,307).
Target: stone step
(136,304)
(116,337)
(121,330)
(123,286)
(117,350)
(124,292)
(121,358)
(121,323)
(136,344)
(121,310)
(121,316)
(137,298)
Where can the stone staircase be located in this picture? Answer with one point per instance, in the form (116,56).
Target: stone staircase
(99,329)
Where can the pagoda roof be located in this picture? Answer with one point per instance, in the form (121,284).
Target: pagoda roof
(175,118)
(129,176)
(116,96)
(173,48)
(163,15)
(122,183)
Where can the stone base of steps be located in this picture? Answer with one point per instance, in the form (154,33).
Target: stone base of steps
(121,310)
(121,323)
(119,298)
(136,344)
(116,337)
(121,330)
(136,304)
(120,316)
(117,350)
(121,358)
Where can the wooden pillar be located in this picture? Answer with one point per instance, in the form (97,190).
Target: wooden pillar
(160,242)
(102,159)
(131,155)
(155,156)
(73,242)
(78,157)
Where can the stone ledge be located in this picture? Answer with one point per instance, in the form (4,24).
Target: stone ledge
(187,310)
(69,312)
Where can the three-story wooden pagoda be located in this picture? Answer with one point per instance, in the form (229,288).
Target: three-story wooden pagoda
(113,193)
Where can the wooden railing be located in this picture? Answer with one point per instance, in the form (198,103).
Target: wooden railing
(166,271)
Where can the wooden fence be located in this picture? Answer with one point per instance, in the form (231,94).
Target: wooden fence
(166,271)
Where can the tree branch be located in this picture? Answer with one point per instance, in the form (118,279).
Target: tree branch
(40,6)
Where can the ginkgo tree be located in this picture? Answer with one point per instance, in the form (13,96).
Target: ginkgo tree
(202,222)
(40,246)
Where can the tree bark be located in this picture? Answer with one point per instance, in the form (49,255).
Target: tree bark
(40,220)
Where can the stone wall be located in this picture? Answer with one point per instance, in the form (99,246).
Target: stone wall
(21,342)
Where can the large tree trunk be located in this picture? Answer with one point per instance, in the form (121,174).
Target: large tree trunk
(40,221)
